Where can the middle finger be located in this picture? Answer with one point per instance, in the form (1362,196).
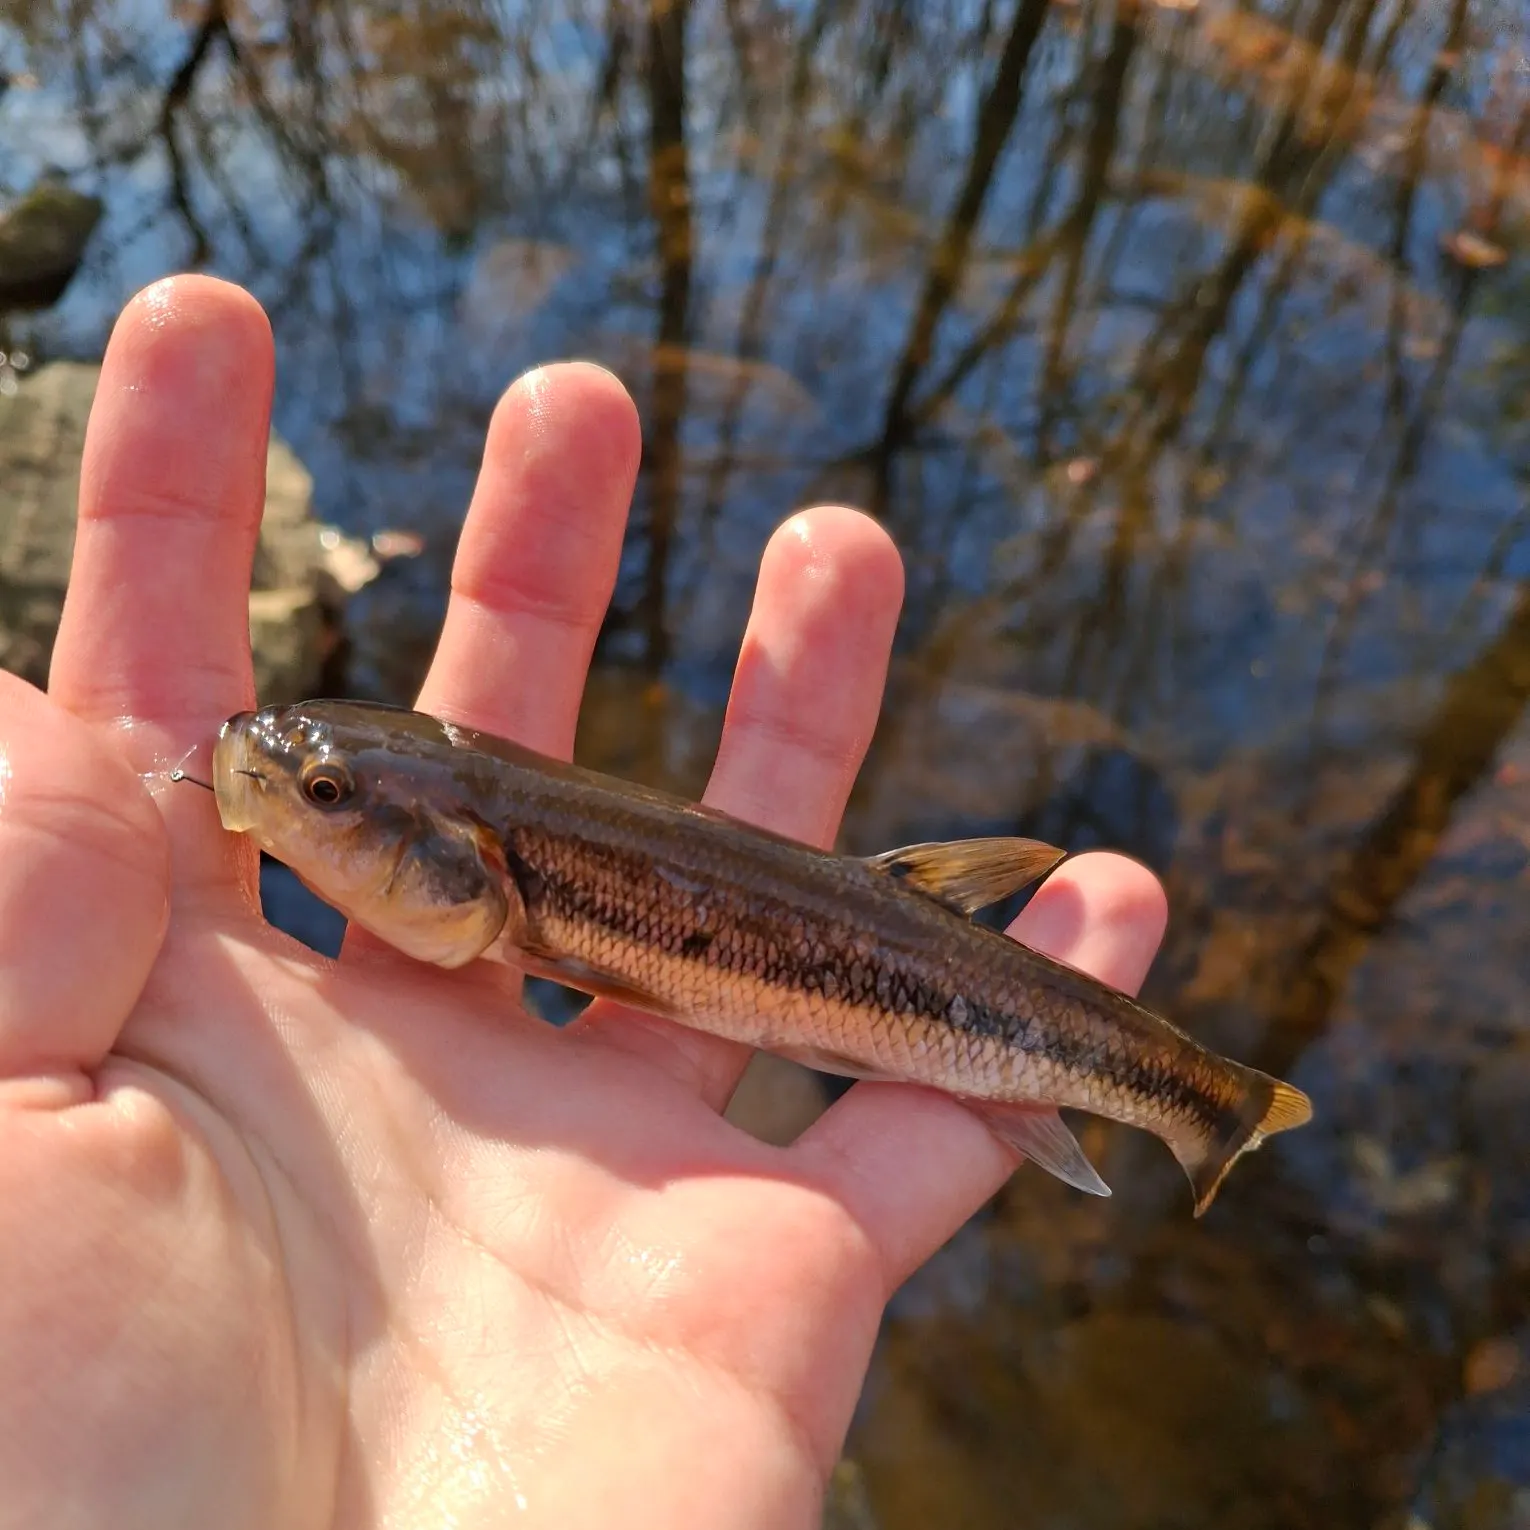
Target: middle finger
(538,558)
(535,566)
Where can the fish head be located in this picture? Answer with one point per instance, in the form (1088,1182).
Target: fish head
(385,835)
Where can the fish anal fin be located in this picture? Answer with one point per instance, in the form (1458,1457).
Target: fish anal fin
(1266,1106)
(595,981)
(1038,1132)
(969,874)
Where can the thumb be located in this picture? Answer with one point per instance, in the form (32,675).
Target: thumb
(84,891)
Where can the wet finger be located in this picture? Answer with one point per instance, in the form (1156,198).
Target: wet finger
(155,630)
(538,558)
(804,705)
(84,896)
(911,1165)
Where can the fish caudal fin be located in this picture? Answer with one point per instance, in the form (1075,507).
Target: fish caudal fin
(1268,1106)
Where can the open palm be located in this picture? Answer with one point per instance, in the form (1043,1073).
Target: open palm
(293,1243)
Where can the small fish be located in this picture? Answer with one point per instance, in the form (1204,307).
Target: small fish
(451,844)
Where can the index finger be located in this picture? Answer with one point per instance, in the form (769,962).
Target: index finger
(154,639)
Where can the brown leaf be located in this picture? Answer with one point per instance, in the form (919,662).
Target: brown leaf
(1492,1364)
(1473,251)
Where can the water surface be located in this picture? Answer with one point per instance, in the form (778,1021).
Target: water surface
(1185,350)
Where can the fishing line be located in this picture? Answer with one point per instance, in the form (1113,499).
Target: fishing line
(180,773)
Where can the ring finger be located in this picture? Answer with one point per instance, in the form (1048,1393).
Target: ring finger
(805,699)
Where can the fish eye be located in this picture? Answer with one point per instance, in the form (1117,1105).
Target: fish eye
(327,785)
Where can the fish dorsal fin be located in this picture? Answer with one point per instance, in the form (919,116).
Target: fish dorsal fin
(969,874)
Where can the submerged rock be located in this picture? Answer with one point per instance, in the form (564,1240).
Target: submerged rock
(1478,1474)
(42,241)
(42,438)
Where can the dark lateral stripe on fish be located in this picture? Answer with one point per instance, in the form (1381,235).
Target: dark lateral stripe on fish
(872,987)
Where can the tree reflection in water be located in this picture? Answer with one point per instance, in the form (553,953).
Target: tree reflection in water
(1185,351)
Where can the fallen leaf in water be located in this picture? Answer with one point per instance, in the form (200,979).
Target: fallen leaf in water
(352,563)
(1398,1193)
(1473,251)
(348,561)
(389,545)
(1371,1158)
(1492,1364)
(1387,1312)
(512,278)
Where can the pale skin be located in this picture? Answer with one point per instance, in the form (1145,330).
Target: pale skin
(293,1244)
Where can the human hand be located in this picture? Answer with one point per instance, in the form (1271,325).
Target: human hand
(292,1243)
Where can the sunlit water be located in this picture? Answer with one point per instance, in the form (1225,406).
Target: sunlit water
(1186,352)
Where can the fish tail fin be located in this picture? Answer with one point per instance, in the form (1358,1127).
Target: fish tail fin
(1265,1107)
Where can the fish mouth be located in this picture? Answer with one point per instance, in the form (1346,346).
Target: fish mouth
(238,781)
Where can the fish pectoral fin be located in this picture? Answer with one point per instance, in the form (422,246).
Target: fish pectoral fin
(969,874)
(595,981)
(1039,1133)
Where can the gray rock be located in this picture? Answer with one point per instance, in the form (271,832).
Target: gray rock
(42,437)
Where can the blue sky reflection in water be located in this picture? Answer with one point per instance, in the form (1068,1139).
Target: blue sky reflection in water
(1186,351)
